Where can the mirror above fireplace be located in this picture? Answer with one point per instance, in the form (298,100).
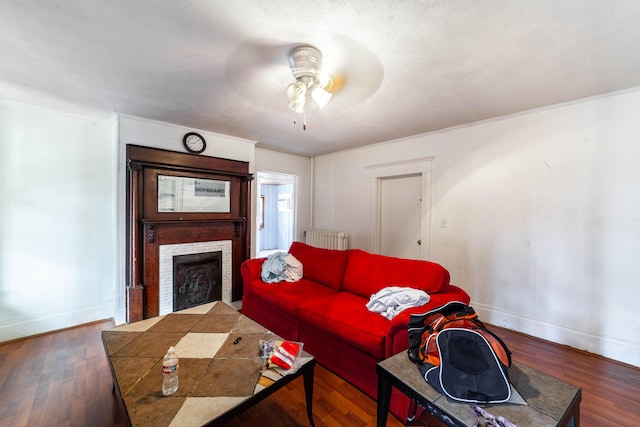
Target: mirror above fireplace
(186,194)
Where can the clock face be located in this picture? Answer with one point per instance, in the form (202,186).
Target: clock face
(194,143)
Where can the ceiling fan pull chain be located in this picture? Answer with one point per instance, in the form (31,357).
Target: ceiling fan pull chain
(304,123)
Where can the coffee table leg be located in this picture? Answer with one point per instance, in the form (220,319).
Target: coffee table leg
(384,397)
(308,391)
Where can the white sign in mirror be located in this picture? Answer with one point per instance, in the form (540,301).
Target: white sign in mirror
(184,194)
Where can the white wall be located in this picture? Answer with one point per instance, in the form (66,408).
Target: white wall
(299,166)
(168,136)
(57,218)
(543,216)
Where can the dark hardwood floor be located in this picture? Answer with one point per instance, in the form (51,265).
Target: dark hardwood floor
(62,379)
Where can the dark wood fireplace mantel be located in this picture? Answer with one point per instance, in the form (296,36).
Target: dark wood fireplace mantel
(148,228)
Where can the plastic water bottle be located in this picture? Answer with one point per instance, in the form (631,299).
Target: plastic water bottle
(170,371)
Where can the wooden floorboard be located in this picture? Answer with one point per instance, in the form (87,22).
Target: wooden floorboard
(63,379)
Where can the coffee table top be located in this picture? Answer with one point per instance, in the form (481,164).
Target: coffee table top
(215,374)
(549,400)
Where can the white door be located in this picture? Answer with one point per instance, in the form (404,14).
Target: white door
(401,216)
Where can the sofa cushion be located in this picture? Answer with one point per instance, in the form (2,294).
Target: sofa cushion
(345,317)
(324,266)
(280,322)
(289,296)
(368,273)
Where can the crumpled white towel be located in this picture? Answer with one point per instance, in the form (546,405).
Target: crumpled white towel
(281,266)
(392,300)
(294,270)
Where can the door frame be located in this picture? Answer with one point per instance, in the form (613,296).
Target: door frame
(377,173)
(264,176)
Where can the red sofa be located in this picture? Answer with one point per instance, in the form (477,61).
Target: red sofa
(326,309)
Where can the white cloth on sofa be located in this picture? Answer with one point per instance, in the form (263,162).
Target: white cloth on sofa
(392,300)
(280,266)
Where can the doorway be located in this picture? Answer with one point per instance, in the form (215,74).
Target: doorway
(276,220)
(401,208)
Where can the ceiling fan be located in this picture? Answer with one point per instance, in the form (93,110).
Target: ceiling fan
(265,72)
(312,81)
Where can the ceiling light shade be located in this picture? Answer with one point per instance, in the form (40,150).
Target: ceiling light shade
(297,107)
(306,65)
(321,96)
(296,91)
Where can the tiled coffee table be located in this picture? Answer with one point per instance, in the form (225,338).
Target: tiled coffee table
(221,374)
(550,401)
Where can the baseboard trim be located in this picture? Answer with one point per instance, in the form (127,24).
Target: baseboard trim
(30,326)
(611,348)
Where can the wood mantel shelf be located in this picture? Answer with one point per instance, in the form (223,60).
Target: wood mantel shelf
(147,156)
(182,221)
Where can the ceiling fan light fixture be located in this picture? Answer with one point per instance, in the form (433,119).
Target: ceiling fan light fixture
(305,62)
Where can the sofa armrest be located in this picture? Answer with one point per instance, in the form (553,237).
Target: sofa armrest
(397,339)
(251,270)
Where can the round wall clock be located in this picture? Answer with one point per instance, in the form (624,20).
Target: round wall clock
(194,142)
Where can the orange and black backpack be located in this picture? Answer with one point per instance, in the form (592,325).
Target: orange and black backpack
(458,355)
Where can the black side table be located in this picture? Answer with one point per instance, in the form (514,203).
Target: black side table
(550,401)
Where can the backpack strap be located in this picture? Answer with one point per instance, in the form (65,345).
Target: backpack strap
(418,323)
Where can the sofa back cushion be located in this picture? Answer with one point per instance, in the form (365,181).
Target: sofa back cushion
(324,266)
(368,273)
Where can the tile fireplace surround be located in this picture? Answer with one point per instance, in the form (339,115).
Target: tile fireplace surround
(167,252)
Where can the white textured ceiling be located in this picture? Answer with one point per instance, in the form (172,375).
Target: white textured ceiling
(403,67)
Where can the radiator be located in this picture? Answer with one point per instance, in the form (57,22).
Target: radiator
(327,239)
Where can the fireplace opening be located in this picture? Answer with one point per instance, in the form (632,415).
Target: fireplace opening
(197,279)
